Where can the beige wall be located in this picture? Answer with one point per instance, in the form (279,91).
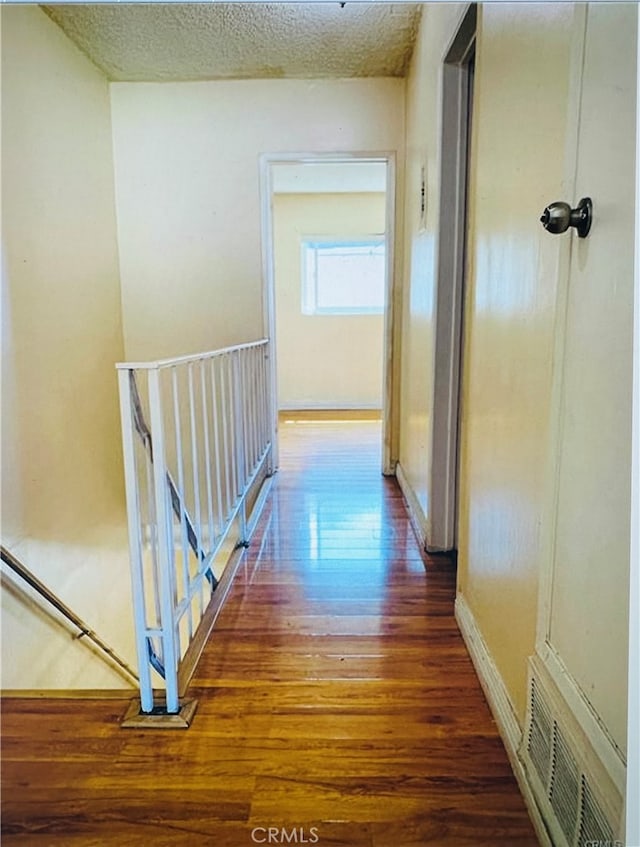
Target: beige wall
(419,288)
(324,361)
(188,201)
(522,75)
(61,272)
(62,487)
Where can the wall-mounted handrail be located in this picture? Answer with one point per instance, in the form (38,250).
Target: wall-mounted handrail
(196,441)
(44,591)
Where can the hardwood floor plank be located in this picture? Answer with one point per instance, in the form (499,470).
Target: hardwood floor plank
(336,697)
(455,827)
(396,758)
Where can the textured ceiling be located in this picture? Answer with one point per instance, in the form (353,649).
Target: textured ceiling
(193,41)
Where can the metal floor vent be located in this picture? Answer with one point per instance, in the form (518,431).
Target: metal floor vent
(572,796)
(564,785)
(593,823)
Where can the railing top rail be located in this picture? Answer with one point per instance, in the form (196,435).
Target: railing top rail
(183,360)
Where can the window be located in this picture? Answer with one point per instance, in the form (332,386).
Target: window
(343,276)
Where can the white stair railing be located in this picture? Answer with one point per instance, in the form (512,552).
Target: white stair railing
(197,436)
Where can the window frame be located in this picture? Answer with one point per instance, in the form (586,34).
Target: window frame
(309,280)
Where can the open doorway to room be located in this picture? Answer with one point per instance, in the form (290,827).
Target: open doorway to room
(328,259)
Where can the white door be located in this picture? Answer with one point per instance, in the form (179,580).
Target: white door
(584,624)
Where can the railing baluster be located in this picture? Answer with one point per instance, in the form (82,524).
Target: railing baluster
(254,407)
(260,412)
(246,405)
(229,467)
(216,441)
(153,538)
(195,455)
(266,423)
(234,426)
(145,446)
(245,394)
(241,396)
(135,539)
(239,407)
(207,452)
(250,389)
(168,626)
(246,409)
(177,429)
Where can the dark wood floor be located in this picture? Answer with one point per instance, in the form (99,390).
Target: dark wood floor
(337,703)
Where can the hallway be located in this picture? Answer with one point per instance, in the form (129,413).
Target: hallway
(336,697)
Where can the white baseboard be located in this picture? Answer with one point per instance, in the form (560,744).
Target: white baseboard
(501,707)
(416,515)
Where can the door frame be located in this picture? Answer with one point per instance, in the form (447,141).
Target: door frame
(267,162)
(633,733)
(451,273)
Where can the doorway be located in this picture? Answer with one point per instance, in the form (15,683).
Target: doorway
(457,113)
(328,258)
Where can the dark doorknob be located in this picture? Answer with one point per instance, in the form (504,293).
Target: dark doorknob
(559,216)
